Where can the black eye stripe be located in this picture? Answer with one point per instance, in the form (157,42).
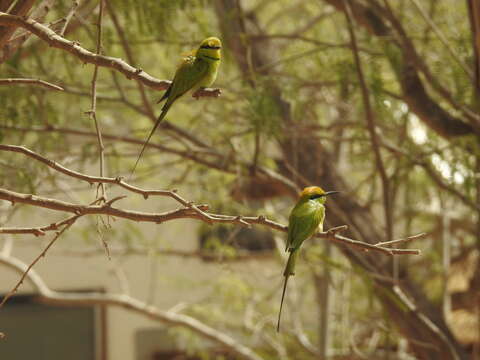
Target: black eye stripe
(210,47)
(211,58)
(316,196)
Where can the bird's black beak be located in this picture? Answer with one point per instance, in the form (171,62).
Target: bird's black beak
(331,193)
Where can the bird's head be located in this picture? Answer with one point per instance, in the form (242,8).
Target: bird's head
(315,193)
(210,48)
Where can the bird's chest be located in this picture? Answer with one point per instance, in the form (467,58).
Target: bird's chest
(211,75)
(311,208)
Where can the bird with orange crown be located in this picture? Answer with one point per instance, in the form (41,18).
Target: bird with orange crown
(305,220)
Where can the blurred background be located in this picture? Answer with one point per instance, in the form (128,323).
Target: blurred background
(377,99)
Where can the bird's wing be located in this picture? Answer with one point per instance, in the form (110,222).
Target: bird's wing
(303,222)
(188,75)
(165,95)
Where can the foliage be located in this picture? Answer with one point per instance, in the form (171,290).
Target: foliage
(289,77)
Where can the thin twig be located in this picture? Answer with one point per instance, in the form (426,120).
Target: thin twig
(419,159)
(38,82)
(401,241)
(71,13)
(442,39)
(130,59)
(196,156)
(93,111)
(372,129)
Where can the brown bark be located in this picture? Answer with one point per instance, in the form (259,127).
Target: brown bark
(21,8)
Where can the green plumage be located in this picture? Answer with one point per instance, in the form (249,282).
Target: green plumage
(304,221)
(306,218)
(195,72)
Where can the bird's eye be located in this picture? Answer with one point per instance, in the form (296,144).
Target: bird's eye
(315,196)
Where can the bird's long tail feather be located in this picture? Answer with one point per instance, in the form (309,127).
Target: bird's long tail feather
(160,118)
(289,270)
(281,302)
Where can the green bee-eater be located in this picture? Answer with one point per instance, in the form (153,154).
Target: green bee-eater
(196,71)
(305,220)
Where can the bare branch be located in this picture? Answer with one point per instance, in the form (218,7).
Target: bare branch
(401,241)
(105,209)
(93,111)
(73,9)
(37,82)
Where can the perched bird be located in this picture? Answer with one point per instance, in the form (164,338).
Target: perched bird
(305,220)
(196,71)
